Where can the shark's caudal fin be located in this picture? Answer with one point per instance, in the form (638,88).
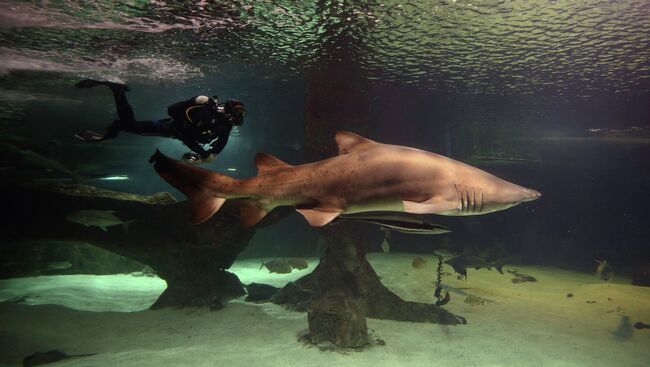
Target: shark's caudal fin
(198,184)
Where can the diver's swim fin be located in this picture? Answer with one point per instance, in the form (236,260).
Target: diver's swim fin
(90,83)
(89,136)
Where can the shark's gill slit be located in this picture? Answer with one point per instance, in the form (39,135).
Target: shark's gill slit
(473,200)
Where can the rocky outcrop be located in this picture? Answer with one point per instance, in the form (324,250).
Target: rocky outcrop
(344,289)
(192,259)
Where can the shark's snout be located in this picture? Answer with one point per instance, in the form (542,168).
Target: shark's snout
(530,195)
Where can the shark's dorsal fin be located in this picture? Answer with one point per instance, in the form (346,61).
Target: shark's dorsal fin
(266,163)
(348,142)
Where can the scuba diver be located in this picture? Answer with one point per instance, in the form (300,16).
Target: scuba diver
(196,122)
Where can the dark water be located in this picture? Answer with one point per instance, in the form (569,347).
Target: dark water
(551,95)
(557,91)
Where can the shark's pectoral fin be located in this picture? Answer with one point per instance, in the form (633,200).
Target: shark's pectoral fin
(429,207)
(266,163)
(319,217)
(251,212)
(203,206)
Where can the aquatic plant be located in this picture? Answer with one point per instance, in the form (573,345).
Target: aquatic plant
(441,300)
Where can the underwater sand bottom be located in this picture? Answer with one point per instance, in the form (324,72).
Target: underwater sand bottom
(527,324)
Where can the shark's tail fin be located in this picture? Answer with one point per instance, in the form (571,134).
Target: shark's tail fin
(202,187)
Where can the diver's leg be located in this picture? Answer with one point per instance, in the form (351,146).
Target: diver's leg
(124,109)
(125,113)
(151,128)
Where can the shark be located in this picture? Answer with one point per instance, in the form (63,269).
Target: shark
(365,176)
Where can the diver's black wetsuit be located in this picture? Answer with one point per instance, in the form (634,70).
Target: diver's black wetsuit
(196,121)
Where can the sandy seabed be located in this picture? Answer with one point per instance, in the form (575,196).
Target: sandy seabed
(526,324)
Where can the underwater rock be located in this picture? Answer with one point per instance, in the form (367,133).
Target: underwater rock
(33,258)
(338,319)
(294,296)
(345,269)
(418,263)
(191,258)
(641,276)
(41,358)
(260,292)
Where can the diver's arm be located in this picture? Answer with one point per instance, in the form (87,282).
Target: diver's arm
(196,147)
(222,140)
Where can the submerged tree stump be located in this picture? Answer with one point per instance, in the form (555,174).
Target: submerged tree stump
(344,288)
(192,259)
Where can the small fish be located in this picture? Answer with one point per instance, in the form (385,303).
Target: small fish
(418,263)
(396,221)
(57,265)
(462,262)
(476,300)
(604,270)
(298,263)
(279,266)
(521,277)
(641,325)
(97,218)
